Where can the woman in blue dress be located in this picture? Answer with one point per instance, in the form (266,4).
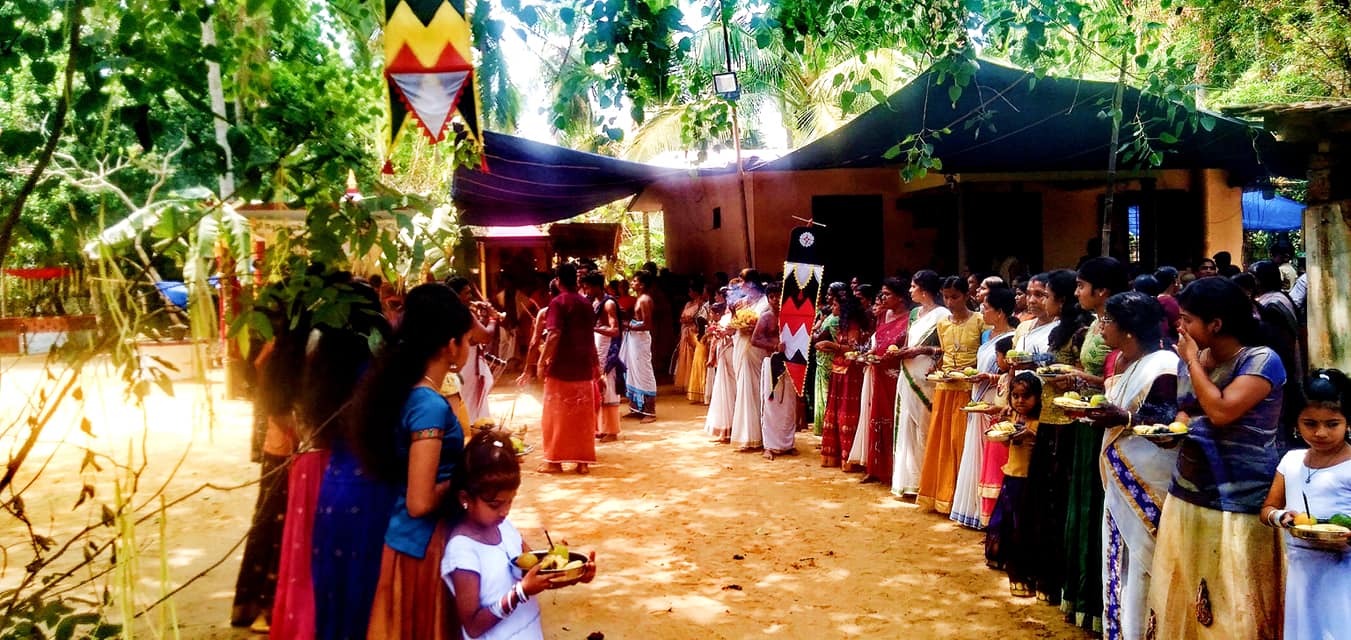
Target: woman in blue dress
(353,509)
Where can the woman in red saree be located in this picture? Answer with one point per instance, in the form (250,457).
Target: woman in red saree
(893,318)
(846,383)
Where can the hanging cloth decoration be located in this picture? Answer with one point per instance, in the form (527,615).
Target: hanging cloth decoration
(427,70)
(802,274)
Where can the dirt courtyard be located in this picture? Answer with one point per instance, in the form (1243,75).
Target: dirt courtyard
(692,539)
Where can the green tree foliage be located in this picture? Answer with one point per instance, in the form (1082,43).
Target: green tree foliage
(1267,50)
(820,62)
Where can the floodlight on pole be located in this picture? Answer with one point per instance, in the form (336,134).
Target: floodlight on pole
(727,85)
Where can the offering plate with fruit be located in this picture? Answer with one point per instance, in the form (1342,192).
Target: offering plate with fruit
(1019,357)
(561,566)
(517,439)
(1004,431)
(1072,400)
(954,375)
(1327,534)
(980,407)
(1057,369)
(744,319)
(1161,432)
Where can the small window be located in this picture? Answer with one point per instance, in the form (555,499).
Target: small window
(717,217)
(1133,228)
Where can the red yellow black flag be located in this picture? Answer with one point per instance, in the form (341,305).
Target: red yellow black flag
(428,68)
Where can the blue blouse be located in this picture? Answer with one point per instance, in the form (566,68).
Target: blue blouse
(1230,468)
(424,409)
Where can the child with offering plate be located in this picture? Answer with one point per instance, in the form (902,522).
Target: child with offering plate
(1316,483)
(1009,545)
(492,597)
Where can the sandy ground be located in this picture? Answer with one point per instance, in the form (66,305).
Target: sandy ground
(693,540)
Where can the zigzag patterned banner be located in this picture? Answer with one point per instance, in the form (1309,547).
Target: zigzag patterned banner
(802,275)
(428,69)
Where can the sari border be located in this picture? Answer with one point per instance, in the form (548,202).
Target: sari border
(928,404)
(1143,502)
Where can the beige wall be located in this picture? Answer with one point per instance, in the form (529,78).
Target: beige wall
(777,196)
(1069,218)
(1223,206)
(687,203)
(692,245)
(1069,213)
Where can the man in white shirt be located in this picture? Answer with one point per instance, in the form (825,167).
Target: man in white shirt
(1299,293)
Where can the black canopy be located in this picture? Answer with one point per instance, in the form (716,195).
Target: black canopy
(1008,120)
(533,183)
(1005,121)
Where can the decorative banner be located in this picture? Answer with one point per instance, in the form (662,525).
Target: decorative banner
(427,68)
(802,274)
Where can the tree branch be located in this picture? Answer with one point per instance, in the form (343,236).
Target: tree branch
(58,128)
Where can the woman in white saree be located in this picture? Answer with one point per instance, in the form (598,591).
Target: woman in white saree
(747,361)
(997,312)
(1141,389)
(914,390)
(718,421)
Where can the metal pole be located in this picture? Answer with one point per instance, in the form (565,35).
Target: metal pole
(1109,199)
(726,41)
(961,227)
(741,187)
(736,139)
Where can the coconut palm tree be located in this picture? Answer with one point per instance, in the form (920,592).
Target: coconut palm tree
(812,93)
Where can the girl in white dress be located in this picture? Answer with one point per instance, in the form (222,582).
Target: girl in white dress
(493,598)
(1316,482)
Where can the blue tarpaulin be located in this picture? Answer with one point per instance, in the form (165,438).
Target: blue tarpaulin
(1275,214)
(176,292)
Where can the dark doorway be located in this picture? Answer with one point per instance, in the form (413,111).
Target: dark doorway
(1153,227)
(853,240)
(998,224)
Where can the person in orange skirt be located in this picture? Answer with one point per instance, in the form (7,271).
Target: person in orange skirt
(570,369)
(959,339)
(408,436)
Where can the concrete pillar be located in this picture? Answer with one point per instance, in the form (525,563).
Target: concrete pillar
(1327,245)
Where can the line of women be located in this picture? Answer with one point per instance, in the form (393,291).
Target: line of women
(1130,537)
(752,404)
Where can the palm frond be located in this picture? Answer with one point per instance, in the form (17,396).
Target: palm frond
(661,132)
